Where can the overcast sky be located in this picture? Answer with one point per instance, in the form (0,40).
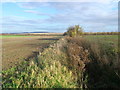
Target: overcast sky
(58,16)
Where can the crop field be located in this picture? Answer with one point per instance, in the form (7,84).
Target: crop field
(105,38)
(16,48)
(109,39)
(8,36)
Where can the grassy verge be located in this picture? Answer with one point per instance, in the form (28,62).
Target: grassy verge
(45,71)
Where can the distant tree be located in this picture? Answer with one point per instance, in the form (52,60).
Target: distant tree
(70,31)
(80,31)
(74,31)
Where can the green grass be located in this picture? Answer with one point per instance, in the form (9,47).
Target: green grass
(8,36)
(108,39)
(104,38)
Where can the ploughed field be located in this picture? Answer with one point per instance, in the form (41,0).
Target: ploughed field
(16,48)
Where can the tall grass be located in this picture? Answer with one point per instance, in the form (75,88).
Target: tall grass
(102,67)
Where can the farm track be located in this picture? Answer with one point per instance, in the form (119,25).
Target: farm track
(17,49)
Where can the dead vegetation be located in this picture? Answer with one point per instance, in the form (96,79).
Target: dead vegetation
(95,60)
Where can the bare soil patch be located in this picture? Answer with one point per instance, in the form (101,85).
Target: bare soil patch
(17,49)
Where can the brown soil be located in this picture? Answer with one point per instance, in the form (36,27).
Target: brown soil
(17,49)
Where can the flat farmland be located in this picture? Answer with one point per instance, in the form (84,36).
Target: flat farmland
(16,48)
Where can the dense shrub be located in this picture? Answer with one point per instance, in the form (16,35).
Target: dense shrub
(78,57)
(74,31)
